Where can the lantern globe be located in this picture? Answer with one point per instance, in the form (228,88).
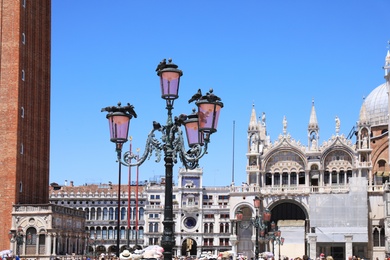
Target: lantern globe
(119,123)
(194,136)
(266,215)
(257,202)
(169,80)
(208,113)
(239,215)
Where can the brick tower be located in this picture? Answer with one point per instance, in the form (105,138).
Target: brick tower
(24,106)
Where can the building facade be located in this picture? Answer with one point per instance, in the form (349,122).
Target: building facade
(30,226)
(201,215)
(326,198)
(330,198)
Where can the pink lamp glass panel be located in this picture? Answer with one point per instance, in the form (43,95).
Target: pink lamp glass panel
(170,85)
(208,120)
(119,126)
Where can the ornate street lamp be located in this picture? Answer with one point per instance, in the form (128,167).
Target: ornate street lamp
(265,231)
(93,242)
(18,237)
(257,222)
(119,122)
(199,127)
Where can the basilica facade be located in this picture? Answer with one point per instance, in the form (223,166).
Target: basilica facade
(326,198)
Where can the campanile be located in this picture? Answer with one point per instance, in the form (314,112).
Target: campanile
(25,28)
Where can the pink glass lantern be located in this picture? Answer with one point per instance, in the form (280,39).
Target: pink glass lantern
(257,202)
(192,130)
(169,79)
(119,122)
(239,215)
(209,108)
(267,215)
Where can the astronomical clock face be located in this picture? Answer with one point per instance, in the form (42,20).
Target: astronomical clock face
(189,222)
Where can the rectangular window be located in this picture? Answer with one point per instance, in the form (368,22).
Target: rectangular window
(23,75)
(23,38)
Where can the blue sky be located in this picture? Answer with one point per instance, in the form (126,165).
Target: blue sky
(277,55)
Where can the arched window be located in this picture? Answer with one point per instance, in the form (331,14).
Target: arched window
(87,213)
(111,214)
(123,213)
(378,236)
(293,178)
(105,214)
(99,214)
(276,178)
(285,178)
(93,214)
(141,213)
(31,238)
(141,232)
(123,233)
(110,233)
(227,227)
(381,165)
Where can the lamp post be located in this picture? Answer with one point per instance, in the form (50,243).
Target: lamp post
(94,242)
(280,242)
(86,250)
(199,127)
(18,237)
(265,232)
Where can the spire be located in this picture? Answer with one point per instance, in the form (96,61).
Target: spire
(313,123)
(253,120)
(313,129)
(363,119)
(387,64)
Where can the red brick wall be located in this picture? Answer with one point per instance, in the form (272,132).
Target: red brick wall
(380,149)
(28,169)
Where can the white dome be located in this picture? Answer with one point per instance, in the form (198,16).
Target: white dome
(376,105)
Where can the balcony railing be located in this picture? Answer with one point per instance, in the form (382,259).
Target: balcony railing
(301,189)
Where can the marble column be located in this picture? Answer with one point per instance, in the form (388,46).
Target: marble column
(48,244)
(348,246)
(312,237)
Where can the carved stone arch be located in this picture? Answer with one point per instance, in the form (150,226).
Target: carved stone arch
(279,149)
(331,149)
(380,151)
(334,159)
(288,209)
(188,246)
(286,159)
(246,207)
(314,167)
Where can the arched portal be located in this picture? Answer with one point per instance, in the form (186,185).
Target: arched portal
(188,247)
(291,219)
(287,211)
